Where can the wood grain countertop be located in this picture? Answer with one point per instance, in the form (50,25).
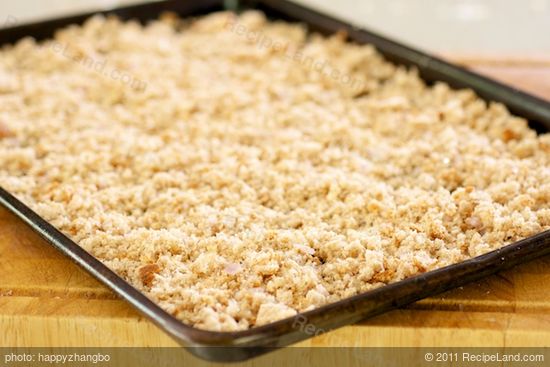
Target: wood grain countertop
(46,300)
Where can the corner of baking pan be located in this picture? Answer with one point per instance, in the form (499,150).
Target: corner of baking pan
(430,68)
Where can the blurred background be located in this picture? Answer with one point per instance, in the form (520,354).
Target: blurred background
(508,40)
(512,27)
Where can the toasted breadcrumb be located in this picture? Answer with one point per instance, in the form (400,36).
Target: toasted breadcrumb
(242,186)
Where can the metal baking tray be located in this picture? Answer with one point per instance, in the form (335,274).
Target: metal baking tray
(241,345)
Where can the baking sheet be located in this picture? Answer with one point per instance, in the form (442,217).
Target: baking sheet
(233,346)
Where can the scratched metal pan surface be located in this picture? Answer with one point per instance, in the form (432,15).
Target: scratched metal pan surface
(242,345)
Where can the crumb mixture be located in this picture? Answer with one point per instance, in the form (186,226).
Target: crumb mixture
(241,185)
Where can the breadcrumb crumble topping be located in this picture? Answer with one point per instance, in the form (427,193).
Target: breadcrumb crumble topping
(240,187)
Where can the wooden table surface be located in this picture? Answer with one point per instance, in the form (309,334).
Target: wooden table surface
(45,300)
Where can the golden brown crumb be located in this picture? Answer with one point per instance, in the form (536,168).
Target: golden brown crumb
(147,273)
(508,135)
(261,172)
(4,131)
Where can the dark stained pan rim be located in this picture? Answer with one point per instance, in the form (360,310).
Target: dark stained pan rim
(242,345)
